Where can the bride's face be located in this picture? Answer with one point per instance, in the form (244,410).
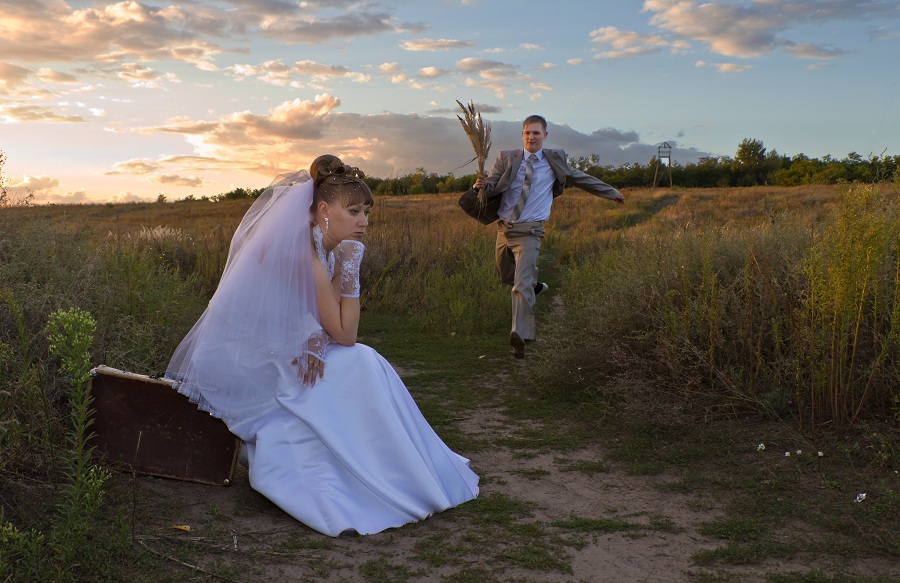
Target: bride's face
(347,222)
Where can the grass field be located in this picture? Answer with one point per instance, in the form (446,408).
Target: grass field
(694,337)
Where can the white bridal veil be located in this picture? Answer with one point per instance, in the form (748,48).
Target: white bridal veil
(237,357)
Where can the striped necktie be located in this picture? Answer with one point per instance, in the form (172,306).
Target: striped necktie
(526,187)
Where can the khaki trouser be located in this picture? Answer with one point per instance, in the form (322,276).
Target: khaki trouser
(518,246)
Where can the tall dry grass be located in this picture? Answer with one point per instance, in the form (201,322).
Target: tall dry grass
(776,300)
(688,303)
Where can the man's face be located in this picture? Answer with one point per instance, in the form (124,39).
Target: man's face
(533,136)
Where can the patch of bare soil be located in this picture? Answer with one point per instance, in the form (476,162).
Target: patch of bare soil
(235,526)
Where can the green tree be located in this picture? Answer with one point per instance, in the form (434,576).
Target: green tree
(753,165)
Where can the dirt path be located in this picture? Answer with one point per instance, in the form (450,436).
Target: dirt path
(652,533)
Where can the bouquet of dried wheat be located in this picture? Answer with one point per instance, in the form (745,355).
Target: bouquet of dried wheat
(479,133)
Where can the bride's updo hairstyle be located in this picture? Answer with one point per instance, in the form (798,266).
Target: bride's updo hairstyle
(335,181)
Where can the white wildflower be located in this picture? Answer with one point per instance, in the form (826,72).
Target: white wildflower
(787,454)
(860,497)
(761,447)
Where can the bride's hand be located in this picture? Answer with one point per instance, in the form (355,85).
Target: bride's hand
(315,369)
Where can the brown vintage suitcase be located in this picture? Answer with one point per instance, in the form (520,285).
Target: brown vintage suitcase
(144,425)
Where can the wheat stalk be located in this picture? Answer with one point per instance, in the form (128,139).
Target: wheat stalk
(479,133)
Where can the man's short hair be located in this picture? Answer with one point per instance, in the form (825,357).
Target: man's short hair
(535,119)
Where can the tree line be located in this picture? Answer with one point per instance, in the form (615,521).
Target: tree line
(752,165)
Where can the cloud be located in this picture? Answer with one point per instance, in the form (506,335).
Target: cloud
(490,70)
(428,44)
(432,72)
(240,141)
(882,33)
(52,76)
(134,166)
(12,76)
(613,43)
(299,74)
(494,76)
(194,32)
(321,70)
(724,67)
(481,107)
(34,184)
(297,119)
(79,196)
(35,113)
(41,188)
(115,32)
(125,197)
(141,76)
(477,65)
(751,28)
(302,28)
(497,87)
(383,145)
(175,180)
(393,67)
(811,51)
(731,67)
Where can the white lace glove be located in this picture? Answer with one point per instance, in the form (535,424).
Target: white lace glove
(351,258)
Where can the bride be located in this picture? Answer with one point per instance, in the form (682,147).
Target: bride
(332,435)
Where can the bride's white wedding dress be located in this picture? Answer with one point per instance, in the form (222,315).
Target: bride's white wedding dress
(352,452)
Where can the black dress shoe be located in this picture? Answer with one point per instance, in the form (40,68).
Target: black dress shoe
(518,344)
(540,287)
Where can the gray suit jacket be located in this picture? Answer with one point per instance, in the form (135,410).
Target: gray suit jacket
(504,170)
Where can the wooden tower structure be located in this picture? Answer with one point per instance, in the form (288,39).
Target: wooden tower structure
(663,152)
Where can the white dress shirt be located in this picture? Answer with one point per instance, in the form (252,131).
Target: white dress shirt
(540,197)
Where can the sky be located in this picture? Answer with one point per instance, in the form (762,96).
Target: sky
(123,101)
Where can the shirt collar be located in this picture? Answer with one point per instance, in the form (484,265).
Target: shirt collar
(539,154)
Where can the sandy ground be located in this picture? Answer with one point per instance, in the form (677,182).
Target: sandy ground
(236,525)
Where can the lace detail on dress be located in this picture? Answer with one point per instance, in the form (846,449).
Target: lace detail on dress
(327,259)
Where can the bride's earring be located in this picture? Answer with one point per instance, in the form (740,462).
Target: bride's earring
(326,226)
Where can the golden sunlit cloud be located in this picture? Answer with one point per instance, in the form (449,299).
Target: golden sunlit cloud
(52,76)
(12,76)
(115,32)
(191,181)
(389,67)
(35,113)
(613,43)
(493,73)
(433,72)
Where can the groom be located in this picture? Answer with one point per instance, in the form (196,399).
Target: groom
(519,193)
